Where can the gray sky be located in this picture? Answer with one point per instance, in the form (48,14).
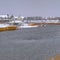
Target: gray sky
(30,7)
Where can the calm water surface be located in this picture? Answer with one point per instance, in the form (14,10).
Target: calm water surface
(30,44)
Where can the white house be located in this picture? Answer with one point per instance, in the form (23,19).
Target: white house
(3,16)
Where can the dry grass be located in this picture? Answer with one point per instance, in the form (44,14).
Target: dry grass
(56,57)
(8,28)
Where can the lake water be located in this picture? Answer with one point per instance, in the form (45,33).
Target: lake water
(36,43)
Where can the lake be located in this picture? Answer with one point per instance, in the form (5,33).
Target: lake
(36,43)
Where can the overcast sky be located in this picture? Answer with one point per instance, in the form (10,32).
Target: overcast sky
(30,7)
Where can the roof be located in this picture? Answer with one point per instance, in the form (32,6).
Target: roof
(3,16)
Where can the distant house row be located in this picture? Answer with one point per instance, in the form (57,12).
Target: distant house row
(41,18)
(41,21)
(28,18)
(35,19)
(7,17)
